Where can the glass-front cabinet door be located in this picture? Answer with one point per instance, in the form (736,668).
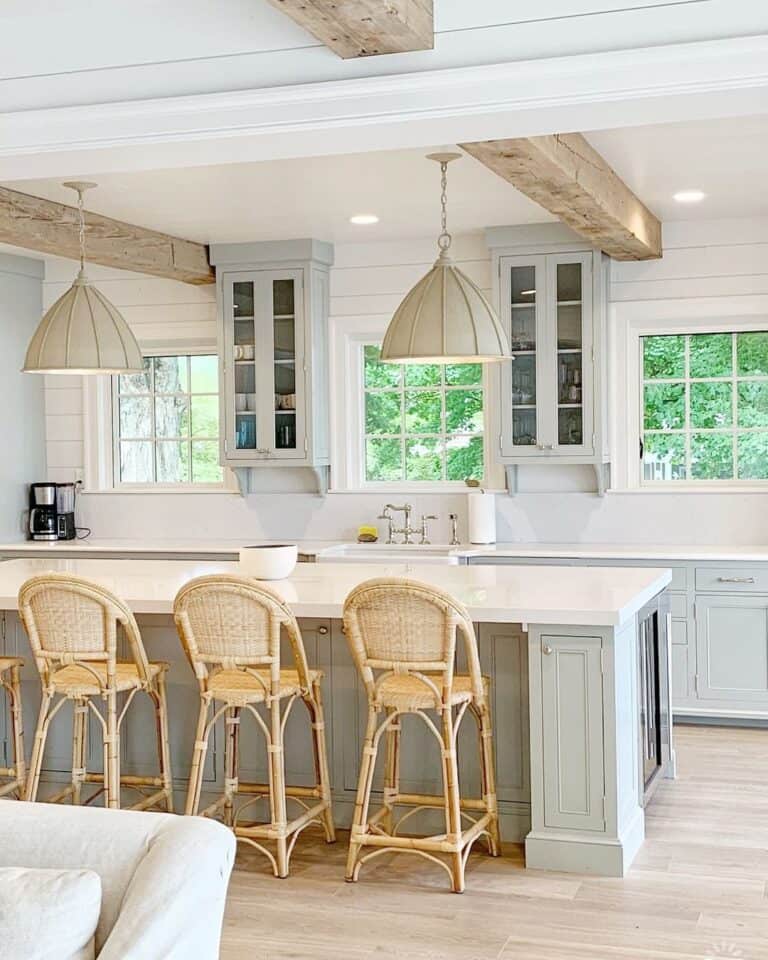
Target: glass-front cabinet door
(570,303)
(546,390)
(263,354)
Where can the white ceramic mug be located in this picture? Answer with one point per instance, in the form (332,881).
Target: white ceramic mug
(249,351)
(241,402)
(238,352)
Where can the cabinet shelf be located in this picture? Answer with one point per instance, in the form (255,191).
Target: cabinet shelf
(569,350)
(570,406)
(284,363)
(523,306)
(569,303)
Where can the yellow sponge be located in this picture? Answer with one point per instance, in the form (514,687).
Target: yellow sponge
(367,534)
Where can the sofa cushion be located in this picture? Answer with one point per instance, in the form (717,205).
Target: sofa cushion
(48,913)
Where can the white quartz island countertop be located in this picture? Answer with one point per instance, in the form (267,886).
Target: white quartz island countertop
(590,596)
(317,549)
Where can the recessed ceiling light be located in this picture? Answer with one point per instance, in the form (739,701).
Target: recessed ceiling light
(689,196)
(362,219)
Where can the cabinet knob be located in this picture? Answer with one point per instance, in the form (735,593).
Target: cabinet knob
(322,631)
(546,649)
(546,446)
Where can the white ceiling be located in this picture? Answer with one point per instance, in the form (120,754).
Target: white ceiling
(316,196)
(725,158)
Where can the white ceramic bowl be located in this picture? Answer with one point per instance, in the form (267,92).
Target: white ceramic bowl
(269,561)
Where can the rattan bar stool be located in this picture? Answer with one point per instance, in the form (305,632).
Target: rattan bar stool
(402,635)
(230,627)
(72,625)
(13,779)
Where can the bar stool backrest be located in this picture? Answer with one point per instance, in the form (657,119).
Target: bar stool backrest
(401,626)
(75,620)
(232,622)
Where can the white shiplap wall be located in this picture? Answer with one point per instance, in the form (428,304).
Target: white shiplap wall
(709,268)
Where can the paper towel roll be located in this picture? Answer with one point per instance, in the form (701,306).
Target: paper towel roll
(482,517)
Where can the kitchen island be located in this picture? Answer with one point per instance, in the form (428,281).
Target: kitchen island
(561,645)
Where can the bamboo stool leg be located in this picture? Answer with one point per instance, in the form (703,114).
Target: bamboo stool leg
(198,760)
(112,754)
(36,762)
(17,729)
(322,776)
(163,741)
(364,784)
(391,772)
(231,762)
(452,801)
(79,735)
(277,791)
(485,731)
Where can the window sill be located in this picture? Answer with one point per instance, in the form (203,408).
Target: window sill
(137,490)
(413,490)
(730,489)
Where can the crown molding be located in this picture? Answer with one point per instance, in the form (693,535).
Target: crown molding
(525,98)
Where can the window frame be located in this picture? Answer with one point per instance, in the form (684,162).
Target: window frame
(101,432)
(626,392)
(118,483)
(349,336)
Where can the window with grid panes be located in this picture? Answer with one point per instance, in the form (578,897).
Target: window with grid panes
(422,422)
(167,422)
(705,407)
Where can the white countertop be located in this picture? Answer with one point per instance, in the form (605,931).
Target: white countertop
(589,596)
(622,551)
(227,549)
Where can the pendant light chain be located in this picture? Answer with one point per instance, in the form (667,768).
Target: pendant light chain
(82,227)
(444,240)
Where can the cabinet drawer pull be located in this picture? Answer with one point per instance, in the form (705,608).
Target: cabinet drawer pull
(736,579)
(546,649)
(322,631)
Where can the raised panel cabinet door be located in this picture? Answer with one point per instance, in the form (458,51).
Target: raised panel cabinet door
(572,725)
(679,672)
(732,648)
(504,658)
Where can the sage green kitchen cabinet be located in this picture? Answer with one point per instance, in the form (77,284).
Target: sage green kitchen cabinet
(273,304)
(732,649)
(572,730)
(551,299)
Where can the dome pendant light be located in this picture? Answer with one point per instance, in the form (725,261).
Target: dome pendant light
(445,318)
(83,332)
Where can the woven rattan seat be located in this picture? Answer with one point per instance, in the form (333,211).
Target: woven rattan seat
(231,629)
(75,681)
(403,637)
(408,693)
(73,626)
(13,778)
(235,684)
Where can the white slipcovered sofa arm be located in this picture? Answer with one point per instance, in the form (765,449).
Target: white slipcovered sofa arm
(174,904)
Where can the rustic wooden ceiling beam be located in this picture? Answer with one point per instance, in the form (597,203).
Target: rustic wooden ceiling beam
(365,28)
(49,227)
(568,177)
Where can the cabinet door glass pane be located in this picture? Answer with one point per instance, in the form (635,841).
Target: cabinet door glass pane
(244,352)
(568,288)
(523,346)
(284,333)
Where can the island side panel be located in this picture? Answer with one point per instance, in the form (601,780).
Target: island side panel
(585,803)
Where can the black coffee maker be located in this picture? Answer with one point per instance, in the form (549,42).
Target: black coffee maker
(52,511)
(42,512)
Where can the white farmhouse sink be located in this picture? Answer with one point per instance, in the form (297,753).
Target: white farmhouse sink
(388,553)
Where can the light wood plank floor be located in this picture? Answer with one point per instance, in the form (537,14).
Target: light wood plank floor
(698,890)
